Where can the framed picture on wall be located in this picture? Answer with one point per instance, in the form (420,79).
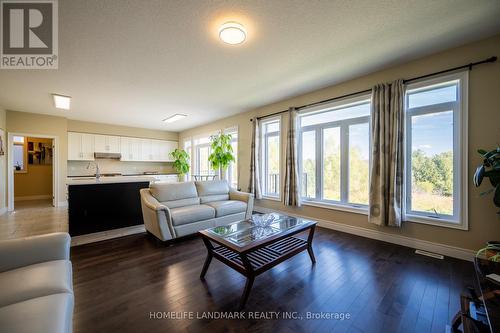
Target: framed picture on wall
(40,153)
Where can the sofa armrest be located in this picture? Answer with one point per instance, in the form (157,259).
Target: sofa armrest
(151,201)
(240,196)
(157,217)
(15,253)
(245,197)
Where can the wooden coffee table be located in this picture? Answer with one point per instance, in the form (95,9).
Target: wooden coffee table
(253,250)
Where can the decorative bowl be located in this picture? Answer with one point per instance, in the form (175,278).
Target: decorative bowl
(263,221)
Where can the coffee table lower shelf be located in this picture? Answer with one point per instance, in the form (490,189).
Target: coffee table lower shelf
(265,257)
(258,260)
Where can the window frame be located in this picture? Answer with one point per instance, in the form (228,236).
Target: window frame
(263,153)
(343,125)
(198,160)
(23,144)
(459,220)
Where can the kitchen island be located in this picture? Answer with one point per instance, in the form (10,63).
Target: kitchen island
(107,203)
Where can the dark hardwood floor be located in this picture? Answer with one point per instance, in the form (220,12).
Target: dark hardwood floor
(383,287)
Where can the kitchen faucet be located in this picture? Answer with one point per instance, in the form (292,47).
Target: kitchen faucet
(97,172)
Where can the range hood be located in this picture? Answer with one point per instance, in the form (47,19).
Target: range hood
(108,156)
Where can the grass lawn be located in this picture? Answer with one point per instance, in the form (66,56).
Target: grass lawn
(428,202)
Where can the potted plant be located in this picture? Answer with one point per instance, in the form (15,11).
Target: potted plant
(490,169)
(222,152)
(181,163)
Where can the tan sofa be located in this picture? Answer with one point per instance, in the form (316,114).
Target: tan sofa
(36,284)
(172,210)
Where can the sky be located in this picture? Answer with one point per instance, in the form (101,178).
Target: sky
(433,133)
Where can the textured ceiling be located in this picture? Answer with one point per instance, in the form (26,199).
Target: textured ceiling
(136,62)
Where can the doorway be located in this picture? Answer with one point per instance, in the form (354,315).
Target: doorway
(32,171)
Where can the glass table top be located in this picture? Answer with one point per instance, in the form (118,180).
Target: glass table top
(245,232)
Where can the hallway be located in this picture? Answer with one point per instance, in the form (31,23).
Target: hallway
(33,217)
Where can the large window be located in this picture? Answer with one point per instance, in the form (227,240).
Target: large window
(232,170)
(334,151)
(204,167)
(270,157)
(435,149)
(199,149)
(201,145)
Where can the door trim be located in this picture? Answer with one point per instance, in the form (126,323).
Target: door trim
(10,167)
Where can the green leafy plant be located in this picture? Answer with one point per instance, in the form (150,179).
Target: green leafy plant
(181,163)
(490,169)
(222,152)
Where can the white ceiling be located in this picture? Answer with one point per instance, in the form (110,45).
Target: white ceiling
(136,62)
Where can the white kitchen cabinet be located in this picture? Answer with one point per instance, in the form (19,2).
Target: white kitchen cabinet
(156,150)
(107,143)
(130,149)
(161,149)
(166,148)
(80,146)
(88,146)
(125,149)
(146,151)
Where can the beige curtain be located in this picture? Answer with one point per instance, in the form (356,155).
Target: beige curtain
(386,174)
(254,185)
(291,193)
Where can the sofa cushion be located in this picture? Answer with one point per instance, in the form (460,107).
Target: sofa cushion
(189,214)
(228,207)
(215,197)
(181,202)
(35,280)
(213,190)
(52,313)
(173,191)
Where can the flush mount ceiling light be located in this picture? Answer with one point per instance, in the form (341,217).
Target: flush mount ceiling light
(62,102)
(232,33)
(175,117)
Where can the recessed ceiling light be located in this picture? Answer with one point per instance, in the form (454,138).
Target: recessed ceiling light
(232,33)
(61,101)
(175,117)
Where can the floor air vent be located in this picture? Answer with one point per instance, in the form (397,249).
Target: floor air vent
(429,254)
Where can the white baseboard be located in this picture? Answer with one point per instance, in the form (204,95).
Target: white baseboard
(108,234)
(3,210)
(62,203)
(33,197)
(446,250)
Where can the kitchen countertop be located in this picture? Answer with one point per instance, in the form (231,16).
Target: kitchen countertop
(108,180)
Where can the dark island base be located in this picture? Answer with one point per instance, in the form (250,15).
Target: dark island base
(99,207)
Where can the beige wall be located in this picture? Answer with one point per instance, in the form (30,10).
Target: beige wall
(39,124)
(99,128)
(36,181)
(3,161)
(484,132)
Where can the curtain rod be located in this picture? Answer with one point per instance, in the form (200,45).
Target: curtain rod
(469,66)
